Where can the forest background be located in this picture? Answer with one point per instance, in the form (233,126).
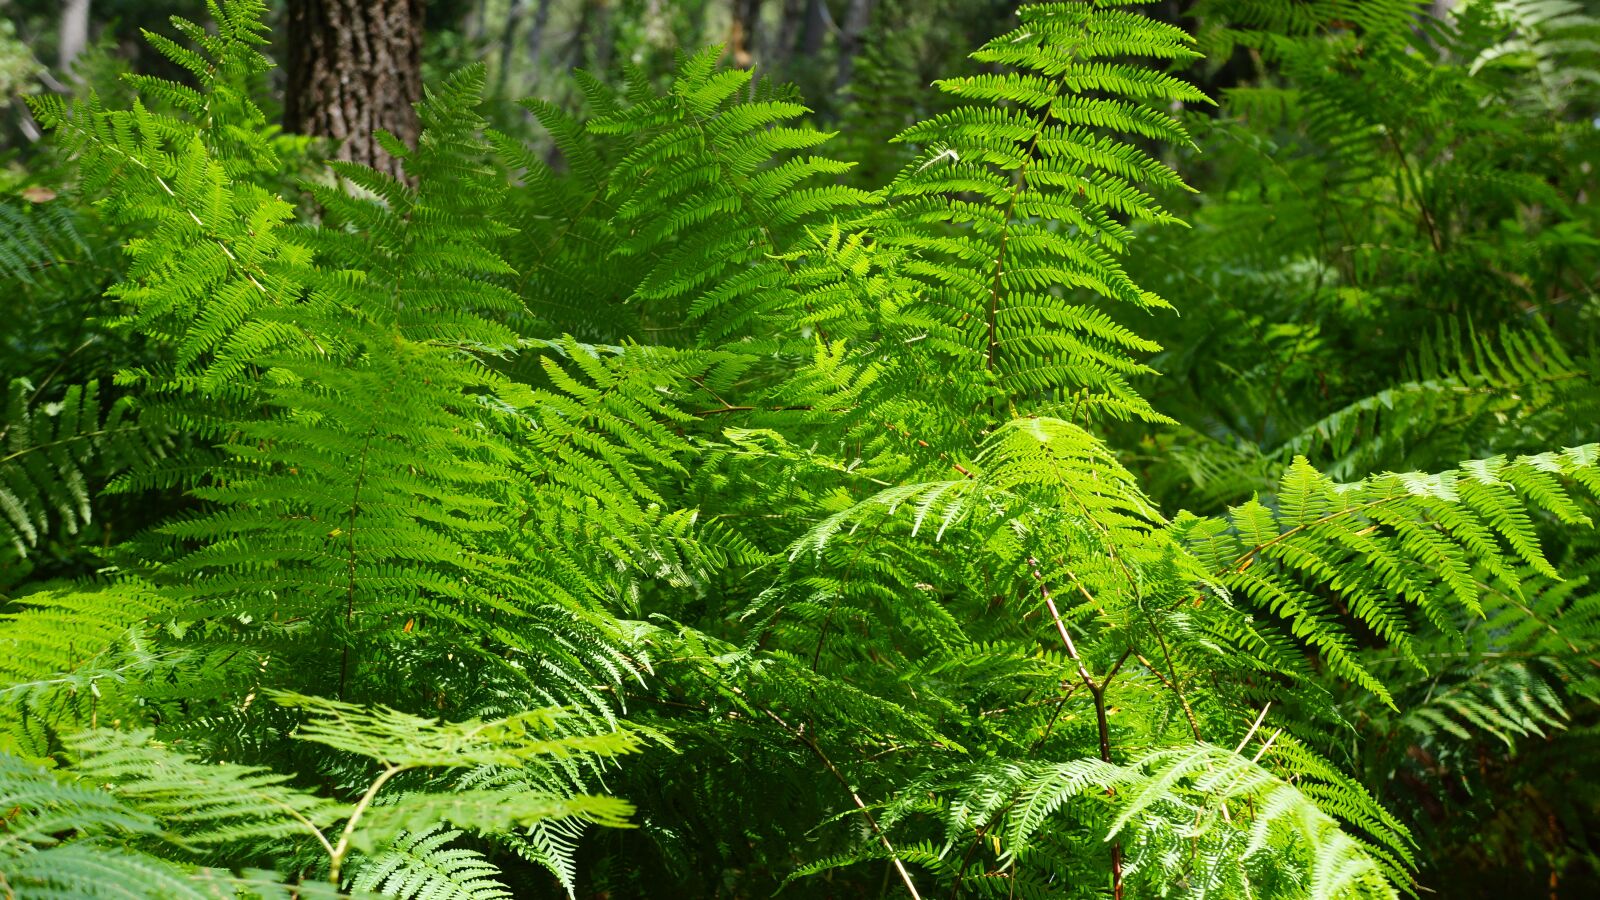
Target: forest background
(830,480)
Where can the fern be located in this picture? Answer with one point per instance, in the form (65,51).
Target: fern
(55,454)
(423,867)
(526,499)
(1370,542)
(38,237)
(1044,159)
(193,811)
(68,656)
(1558,40)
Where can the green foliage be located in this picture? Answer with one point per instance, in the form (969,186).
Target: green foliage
(423,867)
(1368,543)
(672,518)
(182,810)
(1043,197)
(54,452)
(67,654)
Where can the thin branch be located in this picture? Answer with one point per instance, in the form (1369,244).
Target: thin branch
(1098,692)
(800,735)
(343,848)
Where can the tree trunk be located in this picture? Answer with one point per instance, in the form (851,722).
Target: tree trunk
(791,18)
(541,19)
(744,37)
(74,32)
(816,29)
(591,40)
(355,66)
(603,36)
(857,16)
(508,43)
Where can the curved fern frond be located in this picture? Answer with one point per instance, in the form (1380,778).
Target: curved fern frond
(1390,547)
(424,866)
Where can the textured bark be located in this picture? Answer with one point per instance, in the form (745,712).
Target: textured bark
(355,66)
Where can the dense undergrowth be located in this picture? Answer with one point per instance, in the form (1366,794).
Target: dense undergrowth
(694,515)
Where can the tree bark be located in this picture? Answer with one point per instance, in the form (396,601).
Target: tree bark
(791,19)
(355,66)
(508,43)
(591,40)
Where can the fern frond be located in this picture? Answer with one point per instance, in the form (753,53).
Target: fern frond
(1391,543)
(65,657)
(55,455)
(424,867)
(1013,213)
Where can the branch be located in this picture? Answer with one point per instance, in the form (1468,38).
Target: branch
(800,735)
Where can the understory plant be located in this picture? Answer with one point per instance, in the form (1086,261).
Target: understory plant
(683,517)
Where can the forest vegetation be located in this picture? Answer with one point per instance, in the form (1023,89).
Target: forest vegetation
(806,448)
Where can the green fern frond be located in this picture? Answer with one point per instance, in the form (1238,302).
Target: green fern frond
(65,658)
(405,741)
(1038,195)
(37,237)
(55,455)
(424,867)
(713,202)
(1390,543)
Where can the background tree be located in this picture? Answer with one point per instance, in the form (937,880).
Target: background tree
(354,68)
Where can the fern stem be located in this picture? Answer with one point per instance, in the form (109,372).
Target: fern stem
(982,830)
(38,389)
(342,849)
(221,244)
(1177,684)
(1243,562)
(1097,690)
(310,825)
(350,591)
(1150,667)
(1021,185)
(82,435)
(800,735)
(1415,184)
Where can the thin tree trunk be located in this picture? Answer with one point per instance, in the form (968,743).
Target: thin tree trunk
(791,22)
(541,20)
(744,37)
(477,23)
(602,37)
(74,35)
(594,27)
(508,42)
(355,66)
(857,16)
(816,31)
